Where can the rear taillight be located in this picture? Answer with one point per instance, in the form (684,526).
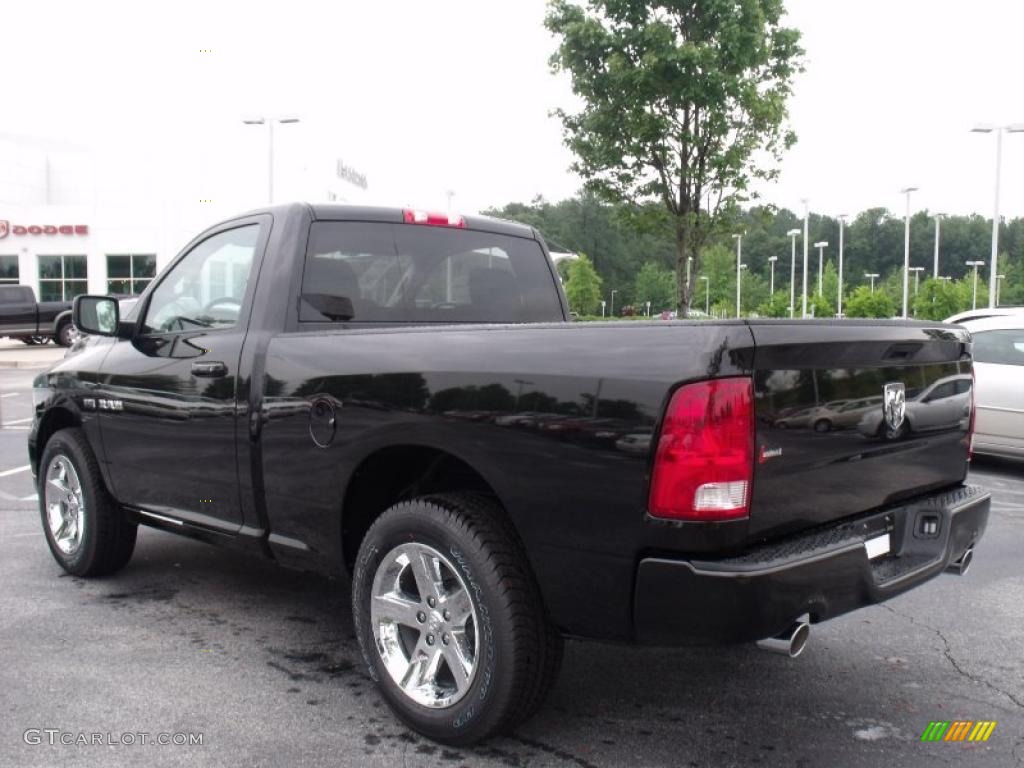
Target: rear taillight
(970,421)
(704,464)
(433,219)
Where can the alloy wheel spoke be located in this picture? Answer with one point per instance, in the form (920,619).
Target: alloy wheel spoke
(426,568)
(459,606)
(58,485)
(459,666)
(422,668)
(396,609)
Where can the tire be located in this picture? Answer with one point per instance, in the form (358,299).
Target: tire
(28,340)
(89,534)
(822,425)
(66,334)
(516,653)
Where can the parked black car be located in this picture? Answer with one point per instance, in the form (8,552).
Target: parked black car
(338,388)
(22,317)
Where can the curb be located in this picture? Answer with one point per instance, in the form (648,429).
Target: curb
(26,364)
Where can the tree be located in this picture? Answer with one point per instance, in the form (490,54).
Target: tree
(937,300)
(683,102)
(656,285)
(583,286)
(776,306)
(820,305)
(863,303)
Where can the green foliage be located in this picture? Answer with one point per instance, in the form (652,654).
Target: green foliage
(657,285)
(777,306)
(939,299)
(863,303)
(874,243)
(820,305)
(678,101)
(583,286)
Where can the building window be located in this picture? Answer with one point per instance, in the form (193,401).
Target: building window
(130,273)
(61,278)
(9,270)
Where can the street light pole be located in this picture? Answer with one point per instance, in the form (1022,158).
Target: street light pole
(707,295)
(807,216)
(269,122)
(871,275)
(906,251)
(917,274)
(821,246)
(793,234)
(739,263)
(975,264)
(938,224)
(839,298)
(771,289)
(998,130)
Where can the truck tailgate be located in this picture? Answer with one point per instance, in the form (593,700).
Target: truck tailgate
(826,445)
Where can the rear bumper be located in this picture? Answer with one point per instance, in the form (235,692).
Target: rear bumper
(824,573)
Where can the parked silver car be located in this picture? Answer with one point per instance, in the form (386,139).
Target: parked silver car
(999,377)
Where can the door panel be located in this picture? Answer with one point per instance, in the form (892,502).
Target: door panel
(17,310)
(167,398)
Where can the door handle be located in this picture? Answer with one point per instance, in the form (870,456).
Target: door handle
(210,370)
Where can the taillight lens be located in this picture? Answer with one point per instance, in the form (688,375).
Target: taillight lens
(970,421)
(704,464)
(433,219)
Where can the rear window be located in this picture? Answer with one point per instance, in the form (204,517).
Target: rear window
(1005,347)
(405,273)
(14,293)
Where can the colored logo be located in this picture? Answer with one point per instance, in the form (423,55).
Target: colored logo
(894,404)
(958,730)
(5,228)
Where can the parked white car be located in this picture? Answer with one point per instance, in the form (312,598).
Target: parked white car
(999,377)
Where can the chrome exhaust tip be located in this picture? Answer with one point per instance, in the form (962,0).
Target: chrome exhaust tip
(790,643)
(961,566)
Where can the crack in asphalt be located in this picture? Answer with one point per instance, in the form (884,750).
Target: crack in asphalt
(948,653)
(553,751)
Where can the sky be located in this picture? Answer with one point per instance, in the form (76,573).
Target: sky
(426,98)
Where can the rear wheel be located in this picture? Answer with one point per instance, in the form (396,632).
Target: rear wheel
(450,620)
(87,531)
(822,425)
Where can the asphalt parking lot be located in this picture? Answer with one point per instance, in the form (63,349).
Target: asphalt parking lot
(263,664)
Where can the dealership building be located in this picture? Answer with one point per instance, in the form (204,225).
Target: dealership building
(70,223)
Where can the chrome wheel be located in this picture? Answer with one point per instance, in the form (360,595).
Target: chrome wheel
(424,625)
(65,505)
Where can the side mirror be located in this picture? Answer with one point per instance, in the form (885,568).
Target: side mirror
(96,315)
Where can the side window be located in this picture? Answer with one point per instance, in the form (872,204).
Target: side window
(1003,347)
(206,288)
(941,392)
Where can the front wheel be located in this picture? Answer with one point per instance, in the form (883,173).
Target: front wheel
(450,620)
(87,531)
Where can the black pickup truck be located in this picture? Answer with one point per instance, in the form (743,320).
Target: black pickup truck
(401,396)
(22,317)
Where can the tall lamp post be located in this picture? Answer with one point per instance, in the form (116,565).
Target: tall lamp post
(938,224)
(975,264)
(771,288)
(807,221)
(917,275)
(739,264)
(872,276)
(707,295)
(906,251)
(269,122)
(998,130)
(793,234)
(821,246)
(839,298)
